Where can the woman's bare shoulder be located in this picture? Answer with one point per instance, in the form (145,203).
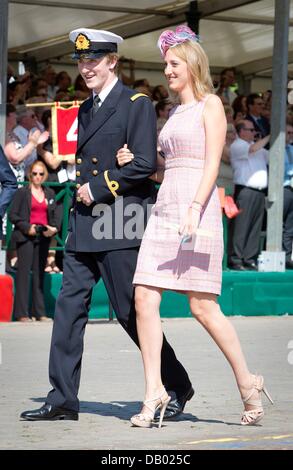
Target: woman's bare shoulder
(213,100)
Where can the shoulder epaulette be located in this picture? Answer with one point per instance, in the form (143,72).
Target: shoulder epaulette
(138,95)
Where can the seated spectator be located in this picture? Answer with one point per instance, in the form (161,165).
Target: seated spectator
(289,116)
(57,168)
(126,80)
(160,93)
(287,238)
(17,152)
(224,91)
(26,122)
(163,109)
(225,176)
(53,162)
(229,113)
(49,75)
(255,106)
(143,86)
(33,213)
(63,83)
(38,110)
(239,108)
(81,91)
(267,99)
(63,96)
(249,161)
(11,75)
(16,93)
(39,88)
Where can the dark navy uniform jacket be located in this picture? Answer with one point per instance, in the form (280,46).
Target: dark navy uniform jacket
(117,217)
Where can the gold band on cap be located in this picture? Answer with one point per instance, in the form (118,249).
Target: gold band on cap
(112,185)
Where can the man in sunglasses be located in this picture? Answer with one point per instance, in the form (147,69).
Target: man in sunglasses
(249,160)
(26,121)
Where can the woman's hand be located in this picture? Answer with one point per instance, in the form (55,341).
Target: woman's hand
(189,224)
(124,156)
(32,230)
(50,232)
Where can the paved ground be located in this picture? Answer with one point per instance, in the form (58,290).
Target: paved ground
(112,385)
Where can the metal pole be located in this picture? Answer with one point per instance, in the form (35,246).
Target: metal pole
(3,66)
(278,124)
(193,16)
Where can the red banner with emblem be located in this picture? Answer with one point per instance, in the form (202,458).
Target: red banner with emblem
(64,130)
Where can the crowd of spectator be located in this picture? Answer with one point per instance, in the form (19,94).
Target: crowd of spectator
(243,169)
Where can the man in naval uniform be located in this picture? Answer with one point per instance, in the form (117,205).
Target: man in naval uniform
(104,236)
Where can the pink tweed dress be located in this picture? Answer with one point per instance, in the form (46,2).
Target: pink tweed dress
(163,260)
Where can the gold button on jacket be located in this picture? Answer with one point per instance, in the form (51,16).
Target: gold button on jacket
(95,172)
(94,160)
(78,161)
(78,173)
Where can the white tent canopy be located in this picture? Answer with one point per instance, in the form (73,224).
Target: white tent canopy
(234,33)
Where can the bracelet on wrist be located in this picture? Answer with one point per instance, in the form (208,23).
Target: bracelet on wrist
(196,206)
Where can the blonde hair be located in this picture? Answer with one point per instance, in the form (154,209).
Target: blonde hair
(38,163)
(198,66)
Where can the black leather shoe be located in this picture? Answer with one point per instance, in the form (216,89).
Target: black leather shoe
(237,267)
(289,264)
(176,404)
(251,266)
(49,413)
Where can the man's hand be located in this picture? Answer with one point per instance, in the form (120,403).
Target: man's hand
(84,195)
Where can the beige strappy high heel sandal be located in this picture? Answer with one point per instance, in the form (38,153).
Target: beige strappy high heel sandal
(146,419)
(253,416)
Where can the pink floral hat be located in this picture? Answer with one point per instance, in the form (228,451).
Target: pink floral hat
(171,38)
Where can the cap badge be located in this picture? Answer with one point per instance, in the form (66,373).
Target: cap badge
(82,43)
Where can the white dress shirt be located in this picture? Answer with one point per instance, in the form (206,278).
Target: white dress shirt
(105,92)
(249,169)
(102,95)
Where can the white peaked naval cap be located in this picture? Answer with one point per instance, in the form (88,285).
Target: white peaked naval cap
(93,43)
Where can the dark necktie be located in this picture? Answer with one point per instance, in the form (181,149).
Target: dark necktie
(260,126)
(289,154)
(96,105)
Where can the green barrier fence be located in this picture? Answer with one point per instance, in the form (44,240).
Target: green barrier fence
(65,196)
(52,284)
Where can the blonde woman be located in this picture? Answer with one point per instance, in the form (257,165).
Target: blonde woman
(182,246)
(33,213)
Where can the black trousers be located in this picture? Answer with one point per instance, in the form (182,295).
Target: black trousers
(31,255)
(288,222)
(81,271)
(246,227)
